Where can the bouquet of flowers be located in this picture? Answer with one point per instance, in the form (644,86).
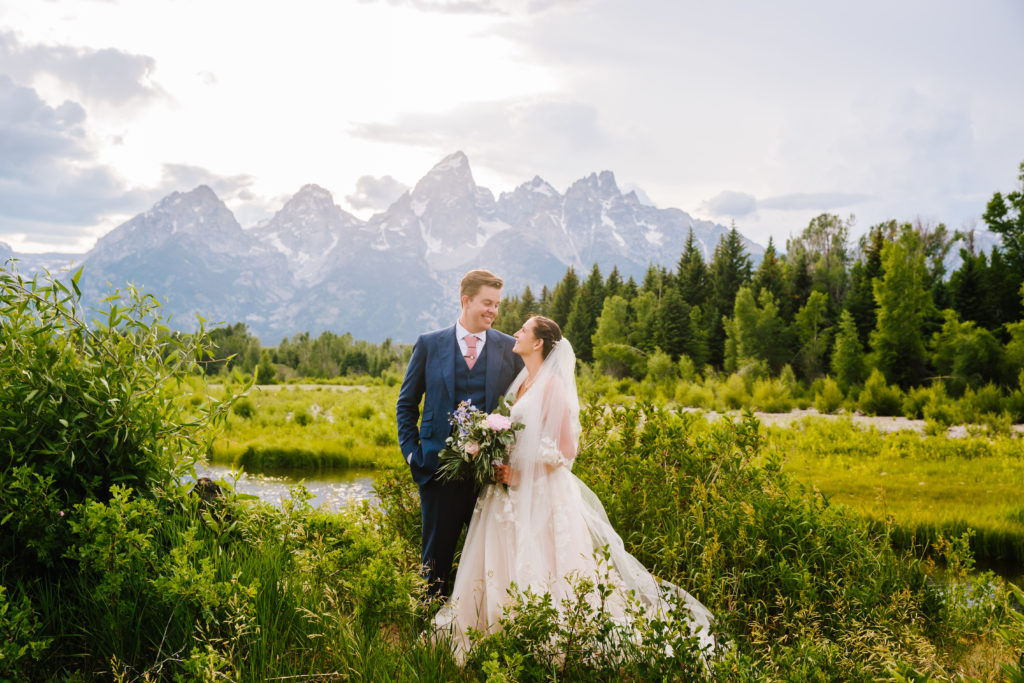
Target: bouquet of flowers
(478,442)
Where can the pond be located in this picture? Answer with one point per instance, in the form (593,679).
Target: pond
(335,489)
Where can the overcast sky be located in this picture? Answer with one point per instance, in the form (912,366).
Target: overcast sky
(766,113)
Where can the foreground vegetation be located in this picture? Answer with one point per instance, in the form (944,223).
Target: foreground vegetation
(112,570)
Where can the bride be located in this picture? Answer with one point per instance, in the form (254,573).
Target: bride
(544,530)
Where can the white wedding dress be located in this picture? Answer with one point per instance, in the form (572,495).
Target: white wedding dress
(543,532)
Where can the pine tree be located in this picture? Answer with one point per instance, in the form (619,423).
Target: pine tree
(848,355)
(528,305)
(970,290)
(673,317)
(769,275)
(544,305)
(730,270)
(582,320)
(860,300)
(1005,215)
(797,273)
(563,298)
(654,281)
(614,284)
(644,331)
(692,277)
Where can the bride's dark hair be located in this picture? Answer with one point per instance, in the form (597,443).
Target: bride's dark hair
(548,331)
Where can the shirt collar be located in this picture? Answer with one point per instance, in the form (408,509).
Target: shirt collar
(461,332)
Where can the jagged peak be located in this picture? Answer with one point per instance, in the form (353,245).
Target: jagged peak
(314,190)
(454,165)
(201,194)
(603,182)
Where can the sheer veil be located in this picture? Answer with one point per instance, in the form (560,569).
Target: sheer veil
(550,411)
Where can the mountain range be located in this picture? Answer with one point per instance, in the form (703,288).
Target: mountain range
(314,267)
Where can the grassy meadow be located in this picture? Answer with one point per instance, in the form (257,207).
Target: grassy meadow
(923,486)
(303,428)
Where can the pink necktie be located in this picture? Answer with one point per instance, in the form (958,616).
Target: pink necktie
(470,350)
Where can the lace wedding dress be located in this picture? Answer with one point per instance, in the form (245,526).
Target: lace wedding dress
(542,533)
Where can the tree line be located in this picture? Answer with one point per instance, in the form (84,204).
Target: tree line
(324,357)
(827,306)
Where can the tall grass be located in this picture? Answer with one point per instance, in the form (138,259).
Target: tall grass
(236,591)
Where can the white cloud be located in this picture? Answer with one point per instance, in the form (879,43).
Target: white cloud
(375,193)
(47,169)
(511,138)
(730,203)
(108,74)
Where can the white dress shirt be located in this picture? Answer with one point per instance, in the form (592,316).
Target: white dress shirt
(461,333)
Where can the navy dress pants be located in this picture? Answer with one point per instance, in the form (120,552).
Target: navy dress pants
(446,509)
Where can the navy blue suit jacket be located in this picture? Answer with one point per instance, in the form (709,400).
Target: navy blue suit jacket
(431,377)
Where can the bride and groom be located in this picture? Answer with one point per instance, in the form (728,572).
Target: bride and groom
(543,530)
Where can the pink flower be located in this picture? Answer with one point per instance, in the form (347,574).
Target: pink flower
(498,423)
(473,448)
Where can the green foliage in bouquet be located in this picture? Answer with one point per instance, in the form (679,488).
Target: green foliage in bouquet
(477,443)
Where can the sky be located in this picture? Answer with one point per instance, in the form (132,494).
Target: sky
(765,114)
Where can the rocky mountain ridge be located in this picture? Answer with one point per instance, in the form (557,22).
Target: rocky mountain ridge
(313,266)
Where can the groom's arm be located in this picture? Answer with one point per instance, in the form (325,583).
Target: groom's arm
(407,410)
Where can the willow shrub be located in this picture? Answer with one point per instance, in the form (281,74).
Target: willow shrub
(801,586)
(84,406)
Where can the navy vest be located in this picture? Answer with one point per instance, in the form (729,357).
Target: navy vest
(471,384)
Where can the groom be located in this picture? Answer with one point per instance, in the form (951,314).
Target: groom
(468,361)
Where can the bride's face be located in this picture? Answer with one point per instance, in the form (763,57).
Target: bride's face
(526,342)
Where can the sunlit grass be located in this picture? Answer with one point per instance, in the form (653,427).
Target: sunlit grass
(924,485)
(314,429)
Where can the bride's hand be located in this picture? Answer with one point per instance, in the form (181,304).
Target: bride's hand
(504,474)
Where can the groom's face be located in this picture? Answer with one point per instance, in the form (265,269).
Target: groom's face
(478,312)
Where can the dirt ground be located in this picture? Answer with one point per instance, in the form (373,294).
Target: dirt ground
(882,424)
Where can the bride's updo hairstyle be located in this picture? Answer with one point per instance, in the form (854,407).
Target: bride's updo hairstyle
(548,331)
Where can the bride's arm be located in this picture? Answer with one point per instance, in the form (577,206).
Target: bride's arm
(560,450)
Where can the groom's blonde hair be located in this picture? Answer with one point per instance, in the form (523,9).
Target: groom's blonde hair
(475,279)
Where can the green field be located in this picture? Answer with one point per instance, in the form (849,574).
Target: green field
(923,485)
(309,429)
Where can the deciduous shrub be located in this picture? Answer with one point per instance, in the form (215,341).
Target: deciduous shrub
(879,398)
(84,406)
(830,398)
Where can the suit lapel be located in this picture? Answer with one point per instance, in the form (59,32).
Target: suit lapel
(446,359)
(494,355)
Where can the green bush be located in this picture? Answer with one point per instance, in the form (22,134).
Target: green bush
(695,395)
(771,396)
(733,393)
(879,398)
(244,408)
(977,402)
(830,398)
(797,583)
(86,406)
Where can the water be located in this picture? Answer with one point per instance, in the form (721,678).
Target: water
(334,490)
